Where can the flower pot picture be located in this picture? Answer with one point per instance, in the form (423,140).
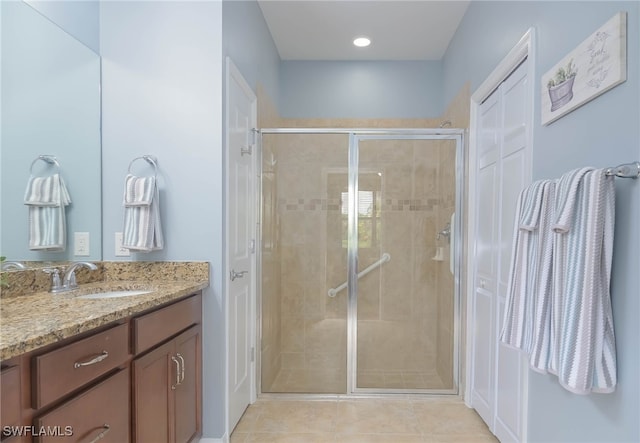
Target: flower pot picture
(561,94)
(592,68)
(561,86)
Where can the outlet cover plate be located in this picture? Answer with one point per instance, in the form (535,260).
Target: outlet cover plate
(120,251)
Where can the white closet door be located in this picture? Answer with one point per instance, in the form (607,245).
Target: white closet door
(502,171)
(486,238)
(514,173)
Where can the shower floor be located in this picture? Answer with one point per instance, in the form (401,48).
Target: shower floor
(317,381)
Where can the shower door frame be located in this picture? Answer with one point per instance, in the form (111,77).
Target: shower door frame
(355,135)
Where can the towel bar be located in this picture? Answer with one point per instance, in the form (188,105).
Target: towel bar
(153,161)
(626,170)
(49,159)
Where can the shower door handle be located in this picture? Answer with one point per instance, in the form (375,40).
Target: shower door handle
(233,274)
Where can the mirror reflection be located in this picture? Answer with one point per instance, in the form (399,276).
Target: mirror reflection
(50,98)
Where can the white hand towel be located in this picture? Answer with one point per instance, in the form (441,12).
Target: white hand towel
(47,198)
(142,226)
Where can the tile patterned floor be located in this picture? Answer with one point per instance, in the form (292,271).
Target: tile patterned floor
(361,421)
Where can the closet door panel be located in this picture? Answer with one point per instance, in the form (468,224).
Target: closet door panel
(483,373)
(512,173)
(508,391)
(486,229)
(514,105)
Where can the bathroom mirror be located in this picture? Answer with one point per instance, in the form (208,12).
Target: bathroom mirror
(50,105)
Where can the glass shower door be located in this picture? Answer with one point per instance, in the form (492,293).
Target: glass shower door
(304,244)
(404,308)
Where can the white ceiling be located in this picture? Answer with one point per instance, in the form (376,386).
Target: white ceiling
(398,29)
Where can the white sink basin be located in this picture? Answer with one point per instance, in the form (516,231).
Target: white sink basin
(115,294)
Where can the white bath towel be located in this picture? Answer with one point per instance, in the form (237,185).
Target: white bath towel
(526,323)
(142,226)
(47,198)
(585,355)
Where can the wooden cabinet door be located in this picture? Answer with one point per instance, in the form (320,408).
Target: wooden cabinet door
(153,375)
(10,406)
(187,393)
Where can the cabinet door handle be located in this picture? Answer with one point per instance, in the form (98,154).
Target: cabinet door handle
(101,435)
(93,361)
(181,367)
(175,360)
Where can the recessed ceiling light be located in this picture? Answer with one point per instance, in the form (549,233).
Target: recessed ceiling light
(362,42)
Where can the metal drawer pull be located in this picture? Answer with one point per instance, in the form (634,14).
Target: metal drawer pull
(182,367)
(101,435)
(175,360)
(93,361)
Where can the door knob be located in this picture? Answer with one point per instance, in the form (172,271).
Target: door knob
(233,274)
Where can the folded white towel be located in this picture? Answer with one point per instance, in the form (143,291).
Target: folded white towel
(583,250)
(142,226)
(47,198)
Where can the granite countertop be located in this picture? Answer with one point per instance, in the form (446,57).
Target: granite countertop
(31,321)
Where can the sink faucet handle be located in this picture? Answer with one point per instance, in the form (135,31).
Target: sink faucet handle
(56,284)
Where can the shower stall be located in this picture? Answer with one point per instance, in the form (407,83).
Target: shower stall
(361,246)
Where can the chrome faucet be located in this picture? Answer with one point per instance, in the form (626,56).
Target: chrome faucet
(9,265)
(68,281)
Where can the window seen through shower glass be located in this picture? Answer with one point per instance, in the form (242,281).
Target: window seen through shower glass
(369,211)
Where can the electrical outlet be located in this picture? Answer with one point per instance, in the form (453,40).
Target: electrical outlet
(120,251)
(81,244)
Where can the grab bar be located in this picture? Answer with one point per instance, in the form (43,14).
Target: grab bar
(385,258)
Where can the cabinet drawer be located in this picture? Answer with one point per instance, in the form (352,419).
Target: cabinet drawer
(102,410)
(10,393)
(155,327)
(59,372)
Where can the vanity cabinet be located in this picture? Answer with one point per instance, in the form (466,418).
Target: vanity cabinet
(137,379)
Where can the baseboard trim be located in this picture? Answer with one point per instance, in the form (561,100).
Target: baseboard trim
(212,440)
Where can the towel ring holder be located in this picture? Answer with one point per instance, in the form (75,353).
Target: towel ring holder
(48,159)
(153,161)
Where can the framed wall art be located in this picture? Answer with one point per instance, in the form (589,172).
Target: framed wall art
(598,64)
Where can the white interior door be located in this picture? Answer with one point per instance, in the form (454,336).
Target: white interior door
(502,170)
(486,238)
(515,174)
(241,119)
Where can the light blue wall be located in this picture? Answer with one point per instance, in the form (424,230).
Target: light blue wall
(604,132)
(247,41)
(81,19)
(356,89)
(162,95)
